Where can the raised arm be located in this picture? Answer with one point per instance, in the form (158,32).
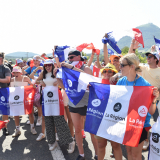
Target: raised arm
(105,51)
(134,45)
(98,63)
(90,59)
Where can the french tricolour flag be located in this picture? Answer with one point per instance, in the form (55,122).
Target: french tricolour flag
(157,41)
(75,83)
(16,101)
(62,52)
(118,113)
(52,101)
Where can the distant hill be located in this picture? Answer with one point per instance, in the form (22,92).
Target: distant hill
(148,30)
(20,55)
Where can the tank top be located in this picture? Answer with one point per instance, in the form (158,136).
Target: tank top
(18,83)
(84,101)
(49,80)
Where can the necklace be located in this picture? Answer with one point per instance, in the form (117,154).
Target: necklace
(134,81)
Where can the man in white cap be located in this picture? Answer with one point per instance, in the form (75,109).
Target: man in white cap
(19,63)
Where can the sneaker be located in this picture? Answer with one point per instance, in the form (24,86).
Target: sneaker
(40,137)
(112,154)
(71,147)
(52,146)
(83,134)
(57,139)
(80,158)
(96,157)
(5,132)
(28,122)
(145,145)
(33,131)
(17,132)
(39,122)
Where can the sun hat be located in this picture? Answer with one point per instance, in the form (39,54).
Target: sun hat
(109,66)
(17,69)
(48,61)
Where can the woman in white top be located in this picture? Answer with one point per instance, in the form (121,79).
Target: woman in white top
(52,122)
(17,81)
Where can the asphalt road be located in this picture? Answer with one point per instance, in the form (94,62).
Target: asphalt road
(25,147)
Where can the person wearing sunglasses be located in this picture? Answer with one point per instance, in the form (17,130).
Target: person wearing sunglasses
(151,73)
(129,65)
(108,71)
(78,112)
(52,122)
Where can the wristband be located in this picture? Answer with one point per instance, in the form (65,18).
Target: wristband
(134,50)
(154,102)
(72,67)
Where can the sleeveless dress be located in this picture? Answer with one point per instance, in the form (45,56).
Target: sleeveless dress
(58,122)
(18,83)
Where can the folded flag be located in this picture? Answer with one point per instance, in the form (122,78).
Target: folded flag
(3,123)
(157,41)
(112,42)
(52,101)
(62,52)
(91,46)
(110,52)
(75,83)
(118,113)
(96,71)
(82,46)
(16,101)
(138,36)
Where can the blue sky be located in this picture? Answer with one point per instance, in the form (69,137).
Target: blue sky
(37,25)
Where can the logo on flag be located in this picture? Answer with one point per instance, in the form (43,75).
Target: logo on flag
(2,98)
(96,102)
(69,82)
(50,94)
(16,97)
(155,137)
(117,107)
(142,111)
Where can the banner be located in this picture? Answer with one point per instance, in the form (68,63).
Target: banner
(16,101)
(52,101)
(118,113)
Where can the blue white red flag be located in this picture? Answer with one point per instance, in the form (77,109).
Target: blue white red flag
(16,101)
(157,41)
(118,113)
(112,42)
(62,52)
(52,101)
(75,83)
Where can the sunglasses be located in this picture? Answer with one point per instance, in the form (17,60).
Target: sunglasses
(150,57)
(49,65)
(107,71)
(71,57)
(123,65)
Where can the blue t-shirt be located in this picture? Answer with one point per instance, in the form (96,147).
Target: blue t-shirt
(29,71)
(139,82)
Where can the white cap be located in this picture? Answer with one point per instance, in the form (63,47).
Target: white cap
(156,54)
(19,61)
(48,61)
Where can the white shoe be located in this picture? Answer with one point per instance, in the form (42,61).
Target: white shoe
(17,132)
(33,131)
(57,139)
(40,137)
(145,145)
(39,122)
(52,146)
(71,147)
(28,122)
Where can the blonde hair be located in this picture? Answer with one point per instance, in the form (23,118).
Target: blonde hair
(132,59)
